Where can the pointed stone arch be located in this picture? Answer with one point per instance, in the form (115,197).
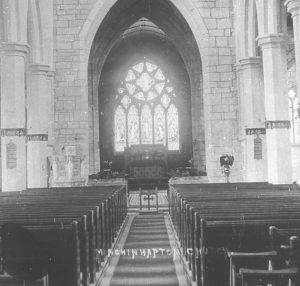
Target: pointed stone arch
(102,7)
(195,24)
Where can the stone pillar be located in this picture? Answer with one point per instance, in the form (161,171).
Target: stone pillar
(276,108)
(50,107)
(38,120)
(13,117)
(252,118)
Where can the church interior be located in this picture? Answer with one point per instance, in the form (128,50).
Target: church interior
(149,142)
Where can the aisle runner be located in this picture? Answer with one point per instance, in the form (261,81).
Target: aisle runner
(146,257)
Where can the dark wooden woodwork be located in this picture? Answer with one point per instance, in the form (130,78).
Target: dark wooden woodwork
(146,166)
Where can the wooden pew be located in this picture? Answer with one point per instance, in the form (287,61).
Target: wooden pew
(189,218)
(60,260)
(266,277)
(7,280)
(101,211)
(285,243)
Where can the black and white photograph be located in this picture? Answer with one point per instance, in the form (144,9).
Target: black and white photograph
(149,142)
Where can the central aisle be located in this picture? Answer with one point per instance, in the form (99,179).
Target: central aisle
(149,254)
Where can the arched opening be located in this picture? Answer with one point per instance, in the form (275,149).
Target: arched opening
(142,85)
(154,32)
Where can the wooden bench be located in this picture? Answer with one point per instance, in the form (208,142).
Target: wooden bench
(215,225)
(99,211)
(285,243)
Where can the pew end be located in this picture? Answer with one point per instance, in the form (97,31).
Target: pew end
(7,280)
(254,276)
(235,257)
(286,242)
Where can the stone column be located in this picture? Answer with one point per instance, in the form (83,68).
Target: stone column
(50,108)
(38,119)
(13,117)
(276,108)
(252,118)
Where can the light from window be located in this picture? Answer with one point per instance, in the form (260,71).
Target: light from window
(146,110)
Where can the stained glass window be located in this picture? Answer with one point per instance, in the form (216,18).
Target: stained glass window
(146,109)
(133,126)
(173,130)
(159,125)
(120,129)
(146,125)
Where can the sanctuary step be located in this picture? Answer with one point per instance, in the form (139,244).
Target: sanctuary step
(149,255)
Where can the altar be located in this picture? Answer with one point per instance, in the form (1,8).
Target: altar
(146,166)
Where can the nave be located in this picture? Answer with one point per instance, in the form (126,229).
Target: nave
(218,234)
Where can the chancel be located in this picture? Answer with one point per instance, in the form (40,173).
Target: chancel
(171,128)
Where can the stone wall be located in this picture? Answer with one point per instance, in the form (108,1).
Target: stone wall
(220,97)
(71,108)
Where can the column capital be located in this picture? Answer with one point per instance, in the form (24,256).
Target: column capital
(38,69)
(293,7)
(271,40)
(14,48)
(250,62)
(51,73)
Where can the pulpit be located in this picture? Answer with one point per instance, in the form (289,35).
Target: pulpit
(147,166)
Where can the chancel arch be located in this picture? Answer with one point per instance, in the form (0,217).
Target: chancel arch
(293,98)
(163,28)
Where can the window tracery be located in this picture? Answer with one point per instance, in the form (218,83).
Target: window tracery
(146,110)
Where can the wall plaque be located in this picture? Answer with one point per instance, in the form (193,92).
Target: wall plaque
(76,167)
(278,124)
(255,131)
(258,149)
(37,137)
(13,132)
(11,153)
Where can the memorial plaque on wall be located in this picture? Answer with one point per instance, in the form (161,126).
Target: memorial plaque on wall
(11,153)
(76,167)
(258,152)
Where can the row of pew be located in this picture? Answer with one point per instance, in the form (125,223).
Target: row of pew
(220,223)
(64,233)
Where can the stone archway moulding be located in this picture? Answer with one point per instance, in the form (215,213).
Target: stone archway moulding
(102,7)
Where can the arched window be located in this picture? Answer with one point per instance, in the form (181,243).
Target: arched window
(146,110)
